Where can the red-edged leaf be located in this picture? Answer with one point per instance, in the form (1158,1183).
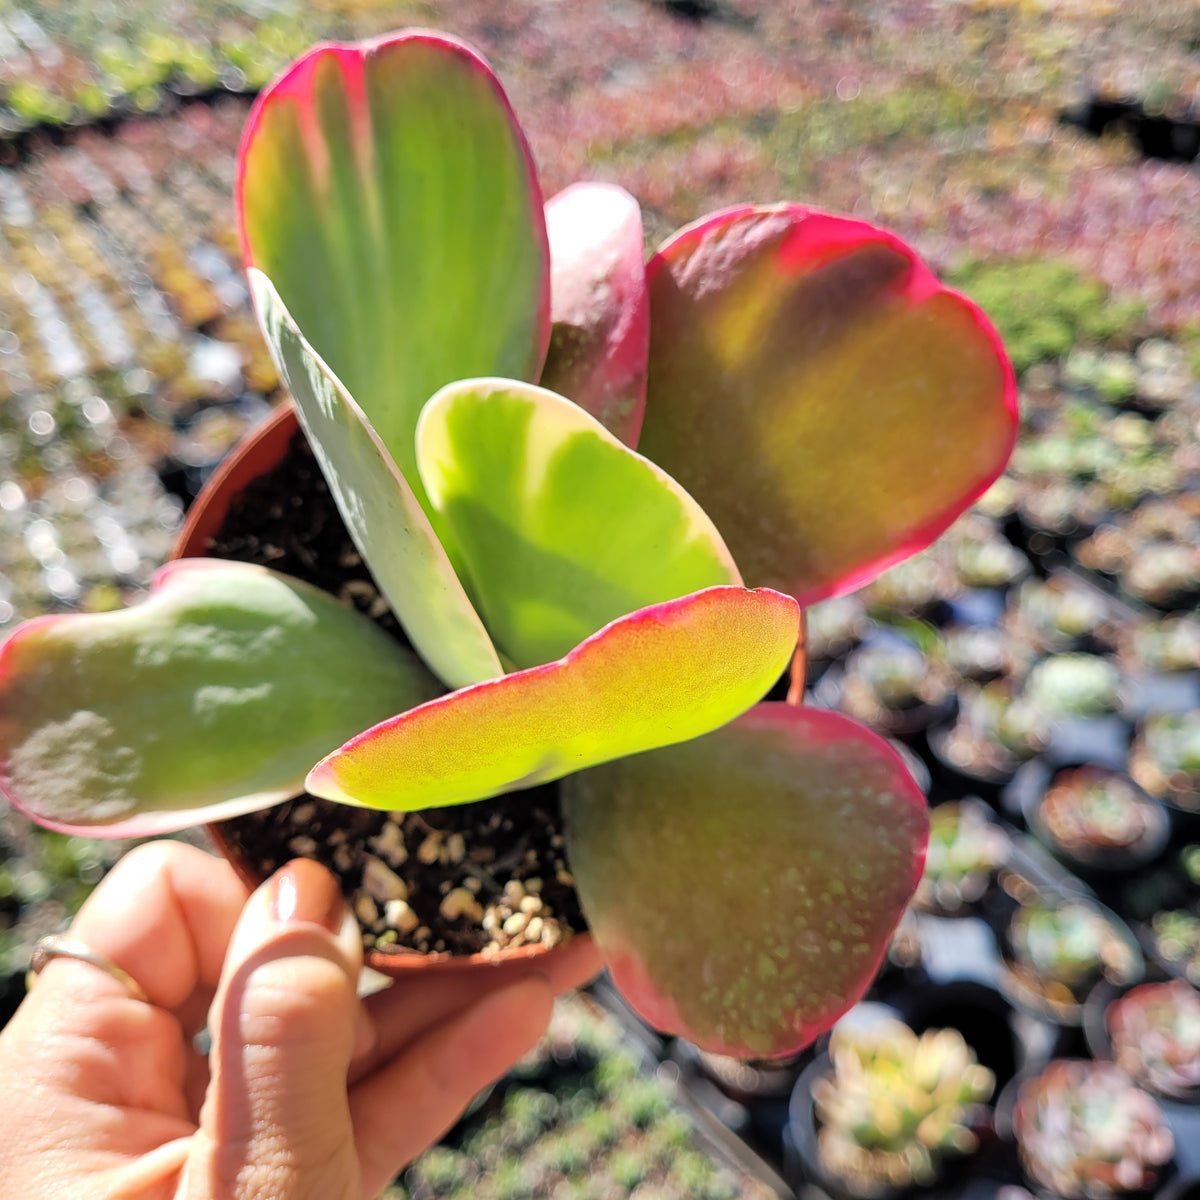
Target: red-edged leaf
(211,698)
(387,191)
(660,675)
(601,332)
(825,399)
(743,886)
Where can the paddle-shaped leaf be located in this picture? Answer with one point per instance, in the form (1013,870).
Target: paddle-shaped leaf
(657,676)
(388,526)
(211,698)
(560,527)
(388,192)
(819,392)
(600,336)
(743,887)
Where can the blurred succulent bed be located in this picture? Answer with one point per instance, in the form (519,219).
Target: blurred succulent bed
(1062,606)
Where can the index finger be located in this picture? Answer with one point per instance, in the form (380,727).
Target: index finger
(165,914)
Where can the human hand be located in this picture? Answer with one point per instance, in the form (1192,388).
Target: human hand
(309,1093)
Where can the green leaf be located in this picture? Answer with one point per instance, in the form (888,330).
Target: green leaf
(831,405)
(743,887)
(388,192)
(561,528)
(388,526)
(600,336)
(211,698)
(661,675)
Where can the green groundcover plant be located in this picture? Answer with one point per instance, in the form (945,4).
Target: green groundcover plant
(473,368)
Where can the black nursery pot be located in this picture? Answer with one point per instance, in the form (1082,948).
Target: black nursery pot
(961,779)
(802,1161)
(803,1165)
(1099,1043)
(980,1013)
(1042,998)
(1029,786)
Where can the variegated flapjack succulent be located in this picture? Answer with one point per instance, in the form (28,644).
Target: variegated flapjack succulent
(473,369)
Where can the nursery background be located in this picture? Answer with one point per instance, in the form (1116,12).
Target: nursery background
(1040,664)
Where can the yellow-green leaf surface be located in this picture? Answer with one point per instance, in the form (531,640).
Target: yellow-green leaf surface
(827,401)
(600,312)
(559,526)
(658,676)
(387,524)
(211,698)
(743,887)
(386,189)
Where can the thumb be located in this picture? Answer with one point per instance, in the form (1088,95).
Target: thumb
(276,1120)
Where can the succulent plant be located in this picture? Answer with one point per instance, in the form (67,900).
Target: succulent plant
(1155,1032)
(1073,685)
(965,848)
(1091,808)
(889,682)
(574,614)
(995,731)
(1165,758)
(1057,612)
(1176,934)
(1086,1132)
(896,1104)
(1171,644)
(1060,949)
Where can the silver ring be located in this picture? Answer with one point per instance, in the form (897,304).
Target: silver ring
(56,946)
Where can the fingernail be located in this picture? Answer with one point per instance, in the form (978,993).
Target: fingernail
(305,891)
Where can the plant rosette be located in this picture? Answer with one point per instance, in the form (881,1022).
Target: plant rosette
(978,653)
(1062,614)
(1152,1032)
(966,846)
(1172,936)
(892,684)
(981,558)
(1091,817)
(1165,759)
(1053,952)
(885,1109)
(1161,645)
(1085,1131)
(585,625)
(995,731)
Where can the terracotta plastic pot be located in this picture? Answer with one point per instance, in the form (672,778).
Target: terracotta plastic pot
(260,451)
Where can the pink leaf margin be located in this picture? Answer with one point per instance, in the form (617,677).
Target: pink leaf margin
(146,824)
(295,85)
(819,237)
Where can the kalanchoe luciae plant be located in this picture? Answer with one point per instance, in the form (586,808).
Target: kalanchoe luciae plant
(804,376)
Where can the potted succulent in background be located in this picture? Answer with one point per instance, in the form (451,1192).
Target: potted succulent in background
(1062,614)
(1092,817)
(1160,659)
(965,848)
(995,731)
(1086,1132)
(885,1109)
(1165,758)
(892,684)
(1174,938)
(577,637)
(1056,951)
(1154,1036)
